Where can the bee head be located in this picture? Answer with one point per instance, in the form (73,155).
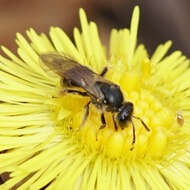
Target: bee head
(125,113)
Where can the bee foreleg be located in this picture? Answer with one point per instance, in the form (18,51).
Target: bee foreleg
(103,121)
(85,115)
(114,122)
(75,92)
(134,136)
(104,71)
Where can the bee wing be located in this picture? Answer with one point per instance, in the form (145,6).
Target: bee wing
(70,70)
(56,63)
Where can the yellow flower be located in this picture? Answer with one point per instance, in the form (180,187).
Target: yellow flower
(40,143)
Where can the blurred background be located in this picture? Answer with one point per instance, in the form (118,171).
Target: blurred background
(160,20)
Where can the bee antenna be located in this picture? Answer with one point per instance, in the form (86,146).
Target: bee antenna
(143,123)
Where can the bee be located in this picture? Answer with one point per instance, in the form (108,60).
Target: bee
(104,94)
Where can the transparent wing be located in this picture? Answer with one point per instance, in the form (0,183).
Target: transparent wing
(70,70)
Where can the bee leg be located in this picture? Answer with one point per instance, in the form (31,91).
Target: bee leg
(75,92)
(114,122)
(103,121)
(102,126)
(85,115)
(134,136)
(104,71)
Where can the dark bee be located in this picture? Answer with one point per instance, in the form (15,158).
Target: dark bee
(104,94)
